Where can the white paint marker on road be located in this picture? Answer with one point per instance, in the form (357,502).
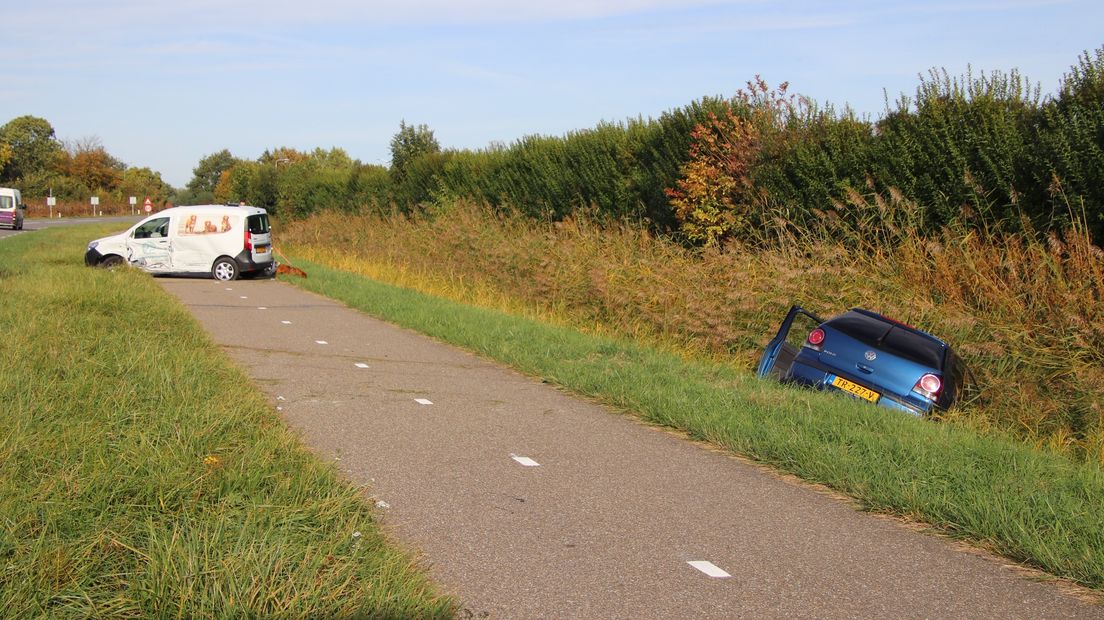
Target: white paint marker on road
(423,401)
(524,460)
(261,308)
(361,365)
(286,322)
(321,342)
(709,568)
(229,289)
(244,297)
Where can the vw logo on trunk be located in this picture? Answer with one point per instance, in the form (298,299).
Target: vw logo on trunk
(870,356)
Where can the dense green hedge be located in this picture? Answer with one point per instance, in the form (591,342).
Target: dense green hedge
(984,150)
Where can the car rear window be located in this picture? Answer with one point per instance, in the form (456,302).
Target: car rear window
(891,338)
(258,224)
(914,346)
(7,202)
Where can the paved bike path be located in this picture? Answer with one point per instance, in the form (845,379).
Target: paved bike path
(527,502)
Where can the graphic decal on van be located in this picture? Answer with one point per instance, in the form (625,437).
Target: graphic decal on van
(208,224)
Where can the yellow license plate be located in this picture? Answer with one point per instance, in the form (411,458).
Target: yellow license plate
(262,249)
(853,388)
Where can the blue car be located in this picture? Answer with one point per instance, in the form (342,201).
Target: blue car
(868,356)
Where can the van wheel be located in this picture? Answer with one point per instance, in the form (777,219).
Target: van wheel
(225,269)
(112,262)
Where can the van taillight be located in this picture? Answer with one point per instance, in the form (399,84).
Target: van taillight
(929,386)
(248,240)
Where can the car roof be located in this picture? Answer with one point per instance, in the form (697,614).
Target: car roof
(186,208)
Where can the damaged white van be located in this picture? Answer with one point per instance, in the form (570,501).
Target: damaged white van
(224,241)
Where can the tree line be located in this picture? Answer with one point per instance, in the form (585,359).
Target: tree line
(35,160)
(976,150)
(985,150)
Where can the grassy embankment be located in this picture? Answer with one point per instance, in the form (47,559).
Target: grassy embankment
(1038,507)
(142,475)
(1025,314)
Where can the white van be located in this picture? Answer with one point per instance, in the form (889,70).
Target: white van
(225,241)
(12,208)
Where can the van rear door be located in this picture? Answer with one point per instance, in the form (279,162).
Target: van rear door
(260,236)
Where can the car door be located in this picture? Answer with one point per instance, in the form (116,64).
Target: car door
(149,246)
(780,352)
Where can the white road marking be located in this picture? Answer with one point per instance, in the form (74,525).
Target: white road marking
(286,322)
(361,365)
(229,289)
(708,568)
(524,460)
(244,297)
(262,308)
(321,342)
(280,398)
(423,401)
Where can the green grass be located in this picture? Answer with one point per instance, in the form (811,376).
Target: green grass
(1038,508)
(143,475)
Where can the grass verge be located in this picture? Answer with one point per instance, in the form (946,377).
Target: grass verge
(142,475)
(1023,312)
(1042,509)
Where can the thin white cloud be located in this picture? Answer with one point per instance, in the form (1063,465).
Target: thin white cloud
(70,15)
(481,73)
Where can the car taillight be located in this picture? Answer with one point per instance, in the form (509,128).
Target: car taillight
(928,385)
(816,338)
(248,240)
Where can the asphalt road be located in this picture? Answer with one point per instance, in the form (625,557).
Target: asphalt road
(527,502)
(30,225)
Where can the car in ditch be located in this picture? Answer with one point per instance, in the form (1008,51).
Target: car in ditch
(868,356)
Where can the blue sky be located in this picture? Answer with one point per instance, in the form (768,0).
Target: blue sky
(162,84)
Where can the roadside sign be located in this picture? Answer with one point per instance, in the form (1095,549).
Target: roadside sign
(148,205)
(133,200)
(51,201)
(95,200)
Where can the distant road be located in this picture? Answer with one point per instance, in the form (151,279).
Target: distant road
(38,224)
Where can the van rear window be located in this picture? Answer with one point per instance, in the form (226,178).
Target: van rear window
(7,202)
(258,224)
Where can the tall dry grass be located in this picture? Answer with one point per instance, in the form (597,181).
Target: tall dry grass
(1024,312)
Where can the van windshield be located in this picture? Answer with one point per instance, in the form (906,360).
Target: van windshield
(7,202)
(258,224)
